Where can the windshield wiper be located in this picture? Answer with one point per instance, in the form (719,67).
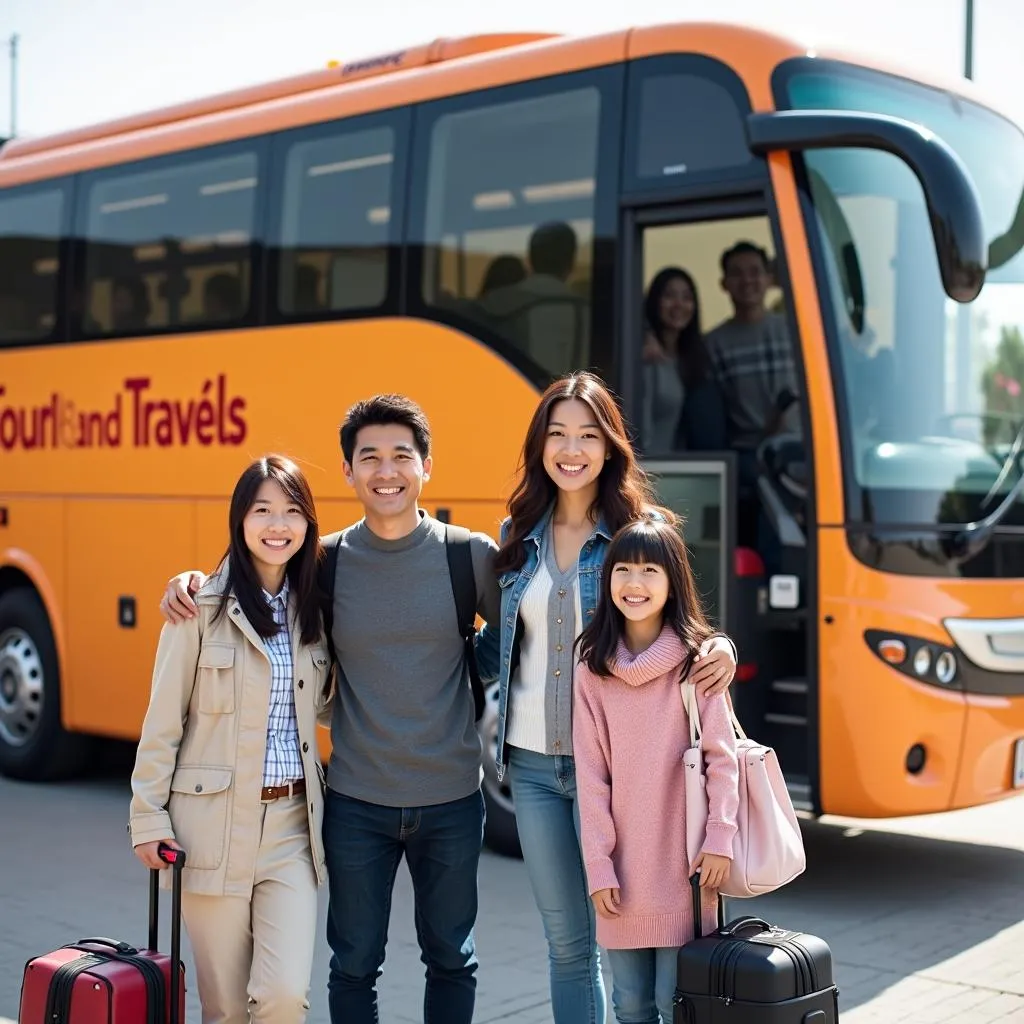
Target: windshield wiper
(973,538)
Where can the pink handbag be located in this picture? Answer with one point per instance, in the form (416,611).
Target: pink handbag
(768,850)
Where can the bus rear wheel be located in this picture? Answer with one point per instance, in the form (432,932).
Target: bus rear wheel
(33,743)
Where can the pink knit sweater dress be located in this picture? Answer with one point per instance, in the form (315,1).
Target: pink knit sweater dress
(630,732)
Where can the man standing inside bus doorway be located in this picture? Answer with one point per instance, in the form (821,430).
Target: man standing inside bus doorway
(753,361)
(405,771)
(752,353)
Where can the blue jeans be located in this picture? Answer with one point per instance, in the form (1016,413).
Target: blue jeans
(547,816)
(364,844)
(643,984)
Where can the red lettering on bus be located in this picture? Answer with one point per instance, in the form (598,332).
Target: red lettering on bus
(215,416)
(206,417)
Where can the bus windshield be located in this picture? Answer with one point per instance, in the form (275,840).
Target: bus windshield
(930,393)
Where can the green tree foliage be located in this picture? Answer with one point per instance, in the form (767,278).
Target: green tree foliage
(1003,385)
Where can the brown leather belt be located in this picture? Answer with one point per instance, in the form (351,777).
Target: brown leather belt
(288,789)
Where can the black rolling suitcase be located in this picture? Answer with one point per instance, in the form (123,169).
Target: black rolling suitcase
(750,972)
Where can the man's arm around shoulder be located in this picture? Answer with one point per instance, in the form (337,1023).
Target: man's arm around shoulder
(177,605)
(488,593)
(488,606)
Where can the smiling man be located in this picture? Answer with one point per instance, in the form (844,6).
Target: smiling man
(405,770)
(752,354)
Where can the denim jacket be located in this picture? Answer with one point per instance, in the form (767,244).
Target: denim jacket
(497,650)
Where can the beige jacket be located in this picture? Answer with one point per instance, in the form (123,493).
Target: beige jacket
(199,767)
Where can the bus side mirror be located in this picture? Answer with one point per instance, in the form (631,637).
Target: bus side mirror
(953,205)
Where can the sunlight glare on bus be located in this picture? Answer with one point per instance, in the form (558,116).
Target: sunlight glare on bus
(124,205)
(581,189)
(220,187)
(351,165)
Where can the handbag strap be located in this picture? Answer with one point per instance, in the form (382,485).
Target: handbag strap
(740,734)
(689,695)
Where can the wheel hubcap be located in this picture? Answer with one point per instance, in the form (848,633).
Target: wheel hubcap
(21,688)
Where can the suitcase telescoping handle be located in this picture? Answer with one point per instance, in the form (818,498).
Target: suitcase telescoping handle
(698,925)
(734,929)
(176,859)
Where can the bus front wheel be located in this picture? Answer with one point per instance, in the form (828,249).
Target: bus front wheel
(33,743)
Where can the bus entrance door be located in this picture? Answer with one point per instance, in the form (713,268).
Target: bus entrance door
(770,699)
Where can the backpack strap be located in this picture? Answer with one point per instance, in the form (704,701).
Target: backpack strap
(460,570)
(326,576)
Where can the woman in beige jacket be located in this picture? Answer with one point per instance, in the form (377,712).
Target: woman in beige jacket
(228,765)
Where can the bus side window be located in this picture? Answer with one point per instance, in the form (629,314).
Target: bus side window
(509,222)
(689,123)
(30,228)
(170,245)
(336,222)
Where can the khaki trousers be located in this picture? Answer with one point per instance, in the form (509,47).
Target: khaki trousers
(254,957)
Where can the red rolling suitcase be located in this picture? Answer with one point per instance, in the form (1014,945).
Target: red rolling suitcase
(102,980)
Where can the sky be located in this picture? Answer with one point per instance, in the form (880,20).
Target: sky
(83,61)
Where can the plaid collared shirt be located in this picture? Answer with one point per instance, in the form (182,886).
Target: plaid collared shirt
(283,762)
(754,363)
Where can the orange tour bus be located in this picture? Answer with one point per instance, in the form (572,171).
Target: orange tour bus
(185,289)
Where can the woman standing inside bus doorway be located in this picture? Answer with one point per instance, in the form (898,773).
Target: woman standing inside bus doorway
(227,765)
(580,482)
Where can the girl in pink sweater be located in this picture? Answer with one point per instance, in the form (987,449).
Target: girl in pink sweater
(630,732)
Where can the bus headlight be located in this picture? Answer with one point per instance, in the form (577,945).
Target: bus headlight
(945,667)
(923,660)
(920,659)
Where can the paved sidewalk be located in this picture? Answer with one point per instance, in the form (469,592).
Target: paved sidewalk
(925,928)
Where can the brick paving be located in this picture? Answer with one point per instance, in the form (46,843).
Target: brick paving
(923,916)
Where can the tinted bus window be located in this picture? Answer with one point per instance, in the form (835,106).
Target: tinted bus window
(686,122)
(30,224)
(510,221)
(170,246)
(336,221)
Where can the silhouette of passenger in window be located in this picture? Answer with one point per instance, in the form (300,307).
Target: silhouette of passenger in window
(130,307)
(541,314)
(222,298)
(502,272)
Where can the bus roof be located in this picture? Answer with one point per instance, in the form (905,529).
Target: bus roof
(443,67)
(432,53)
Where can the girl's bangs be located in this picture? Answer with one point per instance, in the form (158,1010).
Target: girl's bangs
(639,545)
(288,483)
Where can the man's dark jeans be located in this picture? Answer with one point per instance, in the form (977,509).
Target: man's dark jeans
(364,844)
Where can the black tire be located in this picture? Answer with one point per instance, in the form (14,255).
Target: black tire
(34,746)
(500,832)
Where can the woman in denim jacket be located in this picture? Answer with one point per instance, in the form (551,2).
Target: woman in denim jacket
(580,482)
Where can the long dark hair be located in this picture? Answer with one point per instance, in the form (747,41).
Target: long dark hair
(646,542)
(691,354)
(623,490)
(243,580)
